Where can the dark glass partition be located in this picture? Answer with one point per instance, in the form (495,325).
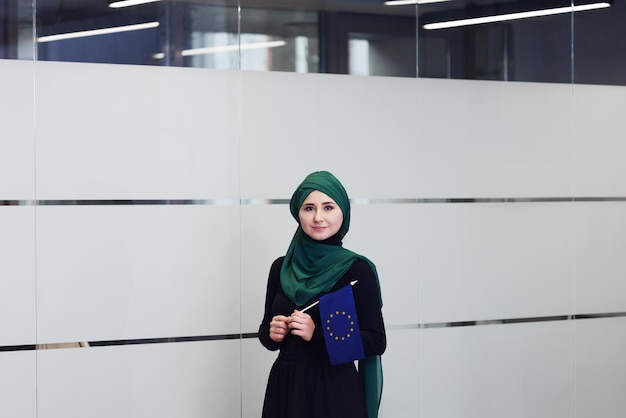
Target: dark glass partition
(522,40)
(548,41)
(454,44)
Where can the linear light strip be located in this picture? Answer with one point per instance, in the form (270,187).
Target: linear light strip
(409,2)
(233,47)
(128,3)
(514,16)
(96,32)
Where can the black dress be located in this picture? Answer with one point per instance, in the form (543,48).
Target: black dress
(302,382)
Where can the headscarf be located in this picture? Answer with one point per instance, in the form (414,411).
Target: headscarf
(312,267)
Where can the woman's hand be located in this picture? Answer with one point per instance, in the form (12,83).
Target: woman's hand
(302,325)
(279,327)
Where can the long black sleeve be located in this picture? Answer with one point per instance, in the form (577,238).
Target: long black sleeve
(367,301)
(368,307)
(273,285)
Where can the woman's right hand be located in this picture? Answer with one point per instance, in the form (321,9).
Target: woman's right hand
(279,327)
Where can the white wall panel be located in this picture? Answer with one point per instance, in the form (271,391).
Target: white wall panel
(600,261)
(600,146)
(18,384)
(187,380)
(124,132)
(293,124)
(266,233)
(17,145)
(17,275)
(600,368)
(256,362)
(513,371)
(400,375)
(495,261)
(388,235)
(111,272)
(486,139)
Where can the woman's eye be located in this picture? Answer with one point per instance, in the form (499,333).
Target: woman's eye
(330,207)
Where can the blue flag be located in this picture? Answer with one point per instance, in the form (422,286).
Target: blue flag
(341,326)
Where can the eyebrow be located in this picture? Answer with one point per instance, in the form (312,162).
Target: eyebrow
(323,203)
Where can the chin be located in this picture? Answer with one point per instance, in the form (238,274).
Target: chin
(317,236)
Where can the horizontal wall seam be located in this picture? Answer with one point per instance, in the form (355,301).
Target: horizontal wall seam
(260,202)
(137,341)
(249,335)
(509,321)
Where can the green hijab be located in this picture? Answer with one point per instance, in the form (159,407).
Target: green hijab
(312,267)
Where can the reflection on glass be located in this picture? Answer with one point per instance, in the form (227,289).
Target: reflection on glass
(296,29)
(511,51)
(16,29)
(359,57)
(401,38)
(209,38)
(91,31)
(505,40)
(599,57)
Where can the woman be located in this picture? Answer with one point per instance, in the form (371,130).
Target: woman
(302,382)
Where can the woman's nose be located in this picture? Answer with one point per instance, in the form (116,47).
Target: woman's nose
(318,215)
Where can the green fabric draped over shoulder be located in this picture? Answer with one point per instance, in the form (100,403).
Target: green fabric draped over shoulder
(311,267)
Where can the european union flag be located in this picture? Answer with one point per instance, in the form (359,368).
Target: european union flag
(341,326)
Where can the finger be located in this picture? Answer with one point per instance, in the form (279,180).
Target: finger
(297,318)
(298,314)
(280,321)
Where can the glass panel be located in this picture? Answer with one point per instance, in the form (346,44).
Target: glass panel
(341,37)
(365,38)
(16,29)
(522,41)
(175,33)
(279,40)
(212,38)
(455,41)
(599,54)
(362,38)
(87,31)
(381,44)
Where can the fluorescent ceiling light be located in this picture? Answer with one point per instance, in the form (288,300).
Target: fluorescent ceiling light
(128,3)
(405,2)
(514,16)
(234,47)
(95,32)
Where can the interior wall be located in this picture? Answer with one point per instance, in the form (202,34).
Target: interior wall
(142,208)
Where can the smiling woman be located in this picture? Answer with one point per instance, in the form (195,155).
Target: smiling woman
(303,381)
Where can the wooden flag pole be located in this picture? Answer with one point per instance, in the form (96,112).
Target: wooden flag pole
(352,283)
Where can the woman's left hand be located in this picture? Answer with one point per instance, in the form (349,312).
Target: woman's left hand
(302,325)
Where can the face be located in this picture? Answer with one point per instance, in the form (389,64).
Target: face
(320,216)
